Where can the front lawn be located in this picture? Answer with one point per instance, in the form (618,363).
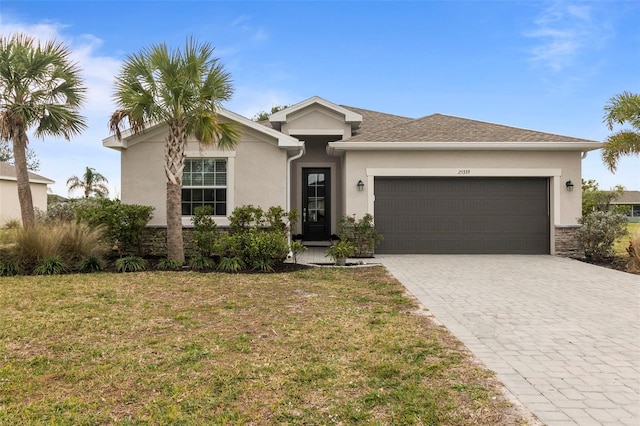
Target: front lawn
(621,244)
(318,346)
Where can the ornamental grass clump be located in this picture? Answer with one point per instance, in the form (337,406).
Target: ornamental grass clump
(633,265)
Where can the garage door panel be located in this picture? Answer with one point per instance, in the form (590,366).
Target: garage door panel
(462,215)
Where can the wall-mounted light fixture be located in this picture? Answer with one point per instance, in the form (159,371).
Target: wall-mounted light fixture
(569,185)
(360,185)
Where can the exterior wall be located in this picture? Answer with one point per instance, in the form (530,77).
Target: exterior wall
(9,204)
(565,206)
(256,174)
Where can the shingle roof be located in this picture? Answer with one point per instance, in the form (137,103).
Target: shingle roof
(9,171)
(375,121)
(628,197)
(446,128)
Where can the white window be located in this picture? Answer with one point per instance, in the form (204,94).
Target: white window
(204,183)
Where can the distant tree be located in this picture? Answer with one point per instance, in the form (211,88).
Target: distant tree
(91,183)
(622,108)
(6,156)
(264,115)
(184,89)
(594,199)
(40,88)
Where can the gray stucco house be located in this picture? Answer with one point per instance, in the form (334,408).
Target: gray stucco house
(436,184)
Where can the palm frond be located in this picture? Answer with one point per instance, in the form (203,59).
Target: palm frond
(623,108)
(619,144)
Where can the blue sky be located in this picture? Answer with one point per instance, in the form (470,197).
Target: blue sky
(544,65)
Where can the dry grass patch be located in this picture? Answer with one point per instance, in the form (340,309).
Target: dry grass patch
(319,346)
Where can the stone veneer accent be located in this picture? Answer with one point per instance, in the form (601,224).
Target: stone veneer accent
(566,238)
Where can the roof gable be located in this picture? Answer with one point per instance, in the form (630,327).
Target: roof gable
(8,172)
(128,137)
(350,117)
(446,128)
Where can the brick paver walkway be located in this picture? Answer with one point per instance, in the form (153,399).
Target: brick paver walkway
(562,335)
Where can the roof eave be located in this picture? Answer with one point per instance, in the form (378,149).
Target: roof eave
(335,148)
(284,141)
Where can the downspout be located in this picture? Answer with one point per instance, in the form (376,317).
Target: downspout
(583,155)
(288,189)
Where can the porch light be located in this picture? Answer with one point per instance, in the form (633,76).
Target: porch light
(569,185)
(360,185)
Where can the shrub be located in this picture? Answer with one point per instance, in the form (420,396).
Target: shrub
(200,263)
(598,233)
(361,233)
(246,217)
(205,232)
(231,264)
(131,264)
(634,254)
(340,251)
(263,249)
(124,222)
(91,263)
(50,265)
(8,267)
(167,264)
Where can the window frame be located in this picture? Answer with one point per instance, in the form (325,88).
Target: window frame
(230,199)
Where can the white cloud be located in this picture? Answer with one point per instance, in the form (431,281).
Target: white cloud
(563,31)
(60,159)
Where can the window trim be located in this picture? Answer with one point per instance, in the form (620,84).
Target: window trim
(230,157)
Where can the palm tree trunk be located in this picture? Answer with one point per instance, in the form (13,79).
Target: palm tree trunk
(174,157)
(22,179)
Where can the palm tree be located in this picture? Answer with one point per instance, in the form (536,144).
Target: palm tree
(622,108)
(183,89)
(91,182)
(40,88)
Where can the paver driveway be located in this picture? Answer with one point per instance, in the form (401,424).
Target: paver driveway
(562,335)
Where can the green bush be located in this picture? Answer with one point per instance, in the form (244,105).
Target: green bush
(124,223)
(258,239)
(205,232)
(91,263)
(360,233)
(231,264)
(340,251)
(297,248)
(167,264)
(50,265)
(8,267)
(598,232)
(131,264)
(201,263)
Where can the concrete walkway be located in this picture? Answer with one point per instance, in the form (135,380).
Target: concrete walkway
(563,336)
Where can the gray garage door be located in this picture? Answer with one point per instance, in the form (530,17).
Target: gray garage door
(462,215)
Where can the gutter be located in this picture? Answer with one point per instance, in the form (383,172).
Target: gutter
(288,189)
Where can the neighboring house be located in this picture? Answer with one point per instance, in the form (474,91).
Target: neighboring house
(630,200)
(437,184)
(9,205)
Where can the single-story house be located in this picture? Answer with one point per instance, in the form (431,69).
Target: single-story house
(630,200)
(9,204)
(436,184)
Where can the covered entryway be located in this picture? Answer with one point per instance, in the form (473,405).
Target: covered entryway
(462,215)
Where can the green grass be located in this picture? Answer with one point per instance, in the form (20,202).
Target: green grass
(318,346)
(621,244)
